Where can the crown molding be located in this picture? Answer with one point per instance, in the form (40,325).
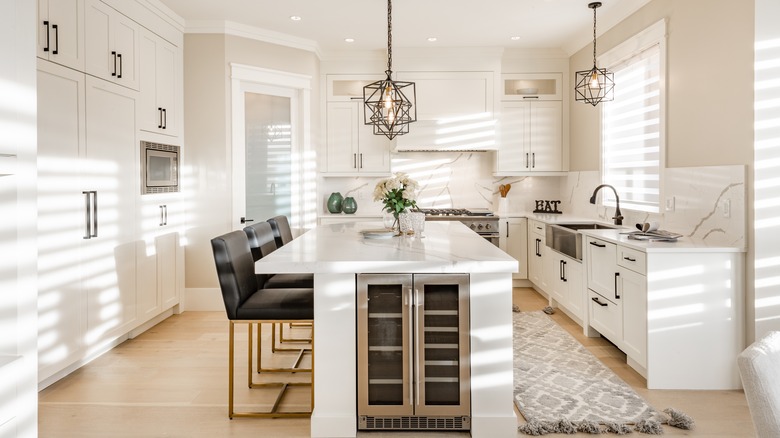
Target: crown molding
(253,33)
(164,12)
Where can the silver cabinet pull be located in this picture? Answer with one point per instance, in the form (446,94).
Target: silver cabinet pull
(410,297)
(418,330)
(90,214)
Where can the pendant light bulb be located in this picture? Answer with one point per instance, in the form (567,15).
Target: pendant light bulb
(594,81)
(388,100)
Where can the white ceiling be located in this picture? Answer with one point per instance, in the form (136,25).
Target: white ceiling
(324,24)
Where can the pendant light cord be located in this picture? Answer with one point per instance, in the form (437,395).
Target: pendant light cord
(390,37)
(594,36)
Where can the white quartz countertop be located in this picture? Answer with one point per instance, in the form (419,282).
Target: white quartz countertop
(619,236)
(445,247)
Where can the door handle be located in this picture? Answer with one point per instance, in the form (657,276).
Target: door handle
(46,23)
(90,214)
(159,113)
(596,300)
(507,229)
(629,259)
(119,55)
(245,220)
(597,244)
(165,118)
(361,160)
(162,220)
(408,350)
(617,296)
(56,39)
(417,329)
(114,55)
(87,215)
(533,160)
(527,162)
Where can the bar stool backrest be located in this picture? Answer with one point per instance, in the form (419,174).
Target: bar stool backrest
(235,270)
(282,231)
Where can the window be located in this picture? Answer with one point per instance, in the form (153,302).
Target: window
(632,125)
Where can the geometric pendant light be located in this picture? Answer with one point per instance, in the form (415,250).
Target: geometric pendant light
(388,105)
(597,84)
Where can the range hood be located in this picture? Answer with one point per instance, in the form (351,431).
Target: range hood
(462,134)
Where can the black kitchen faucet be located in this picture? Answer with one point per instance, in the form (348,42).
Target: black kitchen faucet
(617,217)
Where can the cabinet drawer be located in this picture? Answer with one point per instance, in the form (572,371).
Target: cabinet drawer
(606,317)
(536,227)
(632,259)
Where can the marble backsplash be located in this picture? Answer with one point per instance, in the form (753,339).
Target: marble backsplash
(701,197)
(447,180)
(465,180)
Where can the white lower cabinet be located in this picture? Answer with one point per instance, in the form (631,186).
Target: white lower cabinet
(633,293)
(675,311)
(605,316)
(513,239)
(567,284)
(537,255)
(158,254)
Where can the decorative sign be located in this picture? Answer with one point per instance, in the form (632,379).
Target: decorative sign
(544,206)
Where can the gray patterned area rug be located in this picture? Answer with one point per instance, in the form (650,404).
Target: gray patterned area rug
(560,387)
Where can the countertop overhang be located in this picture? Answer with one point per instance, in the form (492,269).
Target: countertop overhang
(446,247)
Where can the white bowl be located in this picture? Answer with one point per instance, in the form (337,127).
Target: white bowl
(527,90)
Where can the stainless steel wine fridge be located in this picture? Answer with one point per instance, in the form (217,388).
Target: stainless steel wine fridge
(413,352)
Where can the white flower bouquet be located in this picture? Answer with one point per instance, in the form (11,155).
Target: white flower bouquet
(397,193)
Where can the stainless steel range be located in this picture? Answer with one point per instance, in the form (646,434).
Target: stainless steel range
(481,220)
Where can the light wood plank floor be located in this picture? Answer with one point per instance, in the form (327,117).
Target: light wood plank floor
(171,382)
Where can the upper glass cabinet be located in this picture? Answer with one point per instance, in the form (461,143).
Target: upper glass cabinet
(531,86)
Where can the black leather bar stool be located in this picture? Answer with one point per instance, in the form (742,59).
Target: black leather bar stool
(283,235)
(246,302)
(262,243)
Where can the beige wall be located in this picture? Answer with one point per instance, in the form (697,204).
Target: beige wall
(709,89)
(207,159)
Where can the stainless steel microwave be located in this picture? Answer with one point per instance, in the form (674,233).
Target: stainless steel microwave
(159,168)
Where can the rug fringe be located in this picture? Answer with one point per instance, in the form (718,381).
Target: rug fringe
(679,419)
(648,426)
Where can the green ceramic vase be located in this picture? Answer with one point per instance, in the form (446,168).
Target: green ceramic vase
(335,202)
(349,206)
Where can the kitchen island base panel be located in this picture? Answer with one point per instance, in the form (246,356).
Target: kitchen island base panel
(492,408)
(495,427)
(335,362)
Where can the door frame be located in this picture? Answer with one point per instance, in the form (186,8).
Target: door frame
(245,78)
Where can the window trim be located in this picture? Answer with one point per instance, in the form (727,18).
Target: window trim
(632,46)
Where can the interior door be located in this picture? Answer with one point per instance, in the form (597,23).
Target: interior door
(264,159)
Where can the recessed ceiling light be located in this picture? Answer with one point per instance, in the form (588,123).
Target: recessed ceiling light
(349,40)
(295,18)
(432,39)
(515,38)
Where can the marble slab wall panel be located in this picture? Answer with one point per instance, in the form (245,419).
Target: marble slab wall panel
(699,196)
(447,180)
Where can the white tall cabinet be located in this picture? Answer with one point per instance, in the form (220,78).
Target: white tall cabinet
(110,255)
(61,216)
(110,262)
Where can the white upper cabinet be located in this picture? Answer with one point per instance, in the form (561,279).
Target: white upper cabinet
(448,95)
(61,32)
(531,125)
(159,85)
(352,146)
(531,137)
(112,45)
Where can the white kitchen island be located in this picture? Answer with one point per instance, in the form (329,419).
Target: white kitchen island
(337,253)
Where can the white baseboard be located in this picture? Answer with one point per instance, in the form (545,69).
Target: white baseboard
(203,300)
